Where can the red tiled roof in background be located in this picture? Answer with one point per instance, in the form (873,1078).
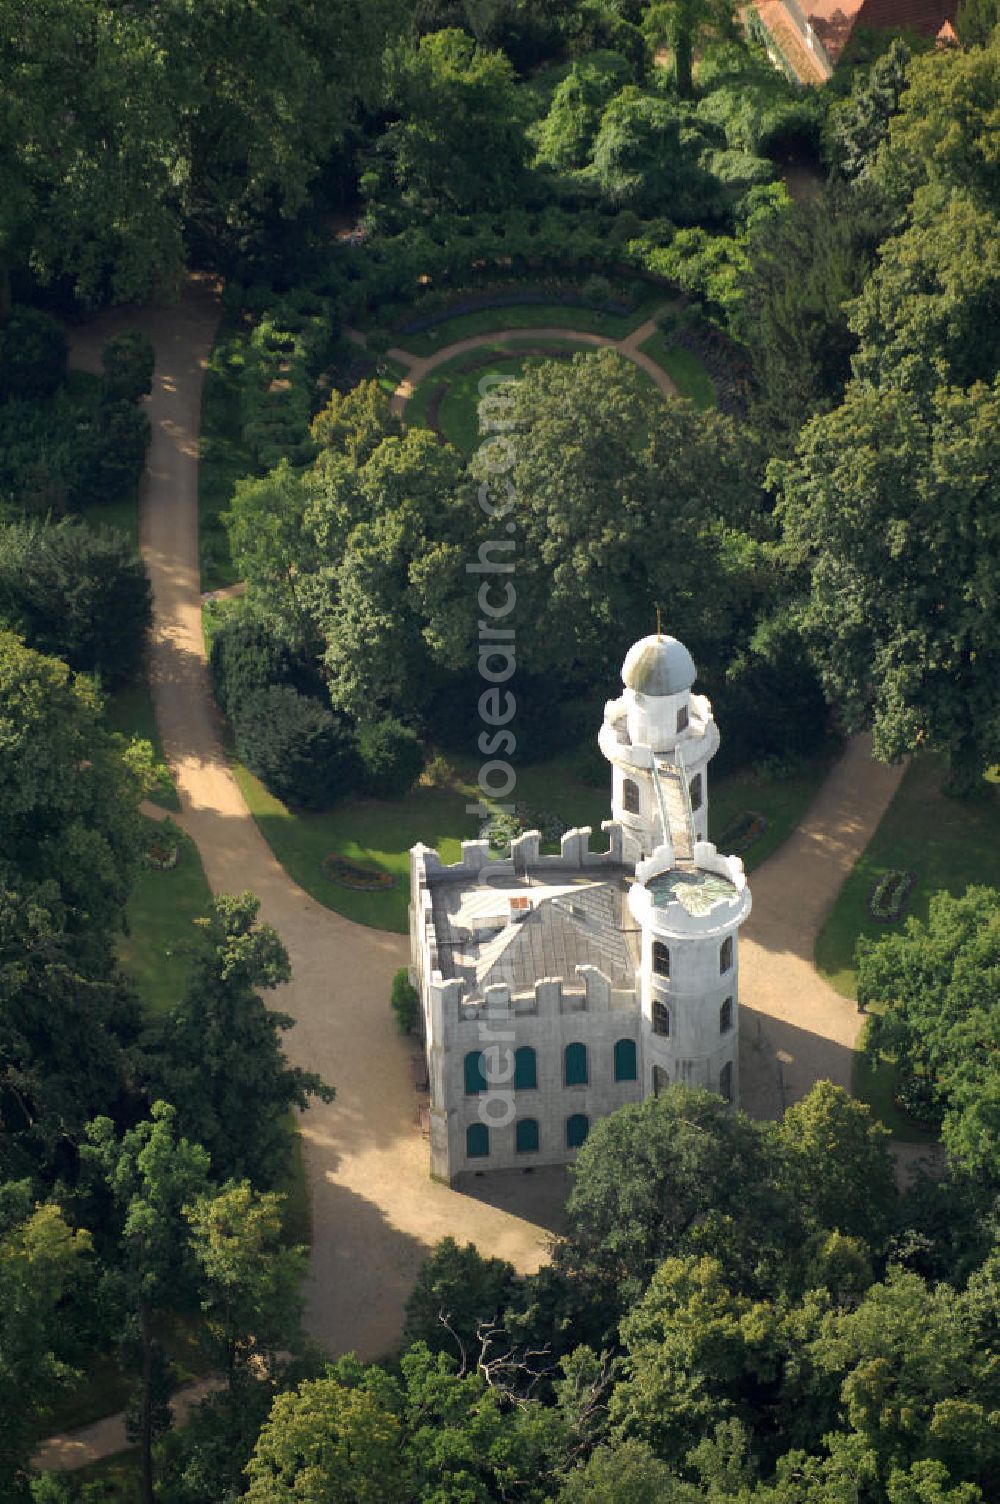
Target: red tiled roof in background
(834,20)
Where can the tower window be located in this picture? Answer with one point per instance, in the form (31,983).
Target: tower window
(661,1018)
(694,789)
(577,1128)
(626,1068)
(726,1082)
(726,955)
(682,719)
(575,1065)
(475,1075)
(525,1069)
(526,1135)
(661,1080)
(661,959)
(477,1141)
(630,797)
(726,1016)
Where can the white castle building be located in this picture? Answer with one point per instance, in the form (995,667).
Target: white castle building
(554,989)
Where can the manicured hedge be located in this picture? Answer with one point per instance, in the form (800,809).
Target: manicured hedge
(299,749)
(285,355)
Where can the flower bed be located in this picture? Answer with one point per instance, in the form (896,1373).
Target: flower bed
(163,855)
(888,898)
(741,833)
(349,874)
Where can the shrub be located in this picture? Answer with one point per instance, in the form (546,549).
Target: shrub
(299,749)
(81,593)
(118,442)
(127,361)
(32,354)
(404,999)
(391,758)
(249,655)
(284,357)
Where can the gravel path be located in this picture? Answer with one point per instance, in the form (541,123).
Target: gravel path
(421,366)
(375,1210)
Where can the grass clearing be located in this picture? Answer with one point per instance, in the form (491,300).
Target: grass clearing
(162,909)
(458,412)
(782,799)
(224,457)
(948,843)
(530,316)
(684,368)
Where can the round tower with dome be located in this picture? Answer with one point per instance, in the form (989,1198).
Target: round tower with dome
(659,738)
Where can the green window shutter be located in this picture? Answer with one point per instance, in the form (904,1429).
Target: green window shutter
(477,1141)
(475,1076)
(626,1067)
(525,1068)
(527,1135)
(576,1065)
(577,1128)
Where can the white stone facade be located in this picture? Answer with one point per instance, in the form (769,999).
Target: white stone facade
(556,988)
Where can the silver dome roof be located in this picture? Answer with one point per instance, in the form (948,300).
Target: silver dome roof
(658,666)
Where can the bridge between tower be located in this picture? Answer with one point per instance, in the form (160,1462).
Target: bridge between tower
(676,815)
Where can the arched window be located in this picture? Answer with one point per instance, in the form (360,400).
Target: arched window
(661,1018)
(726,1016)
(526,1135)
(477,1141)
(576,1065)
(475,1073)
(630,797)
(695,791)
(661,959)
(726,1082)
(726,955)
(525,1069)
(626,1068)
(682,719)
(661,1080)
(577,1128)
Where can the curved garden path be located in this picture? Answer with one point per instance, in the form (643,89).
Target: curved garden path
(375,1210)
(421,366)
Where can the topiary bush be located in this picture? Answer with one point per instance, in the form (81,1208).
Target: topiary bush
(299,749)
(404,999)
(127,361)
(391,758)
(33,353)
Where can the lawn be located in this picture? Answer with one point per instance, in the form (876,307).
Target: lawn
(530,316)
(683,366)
(129,710)
(948,843)
(458,413)
(224,457)
(161,912)
(379,833)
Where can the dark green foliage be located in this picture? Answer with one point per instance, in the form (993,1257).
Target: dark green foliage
(285,355)
(977,21)
(118,441)
(391,758)
(219,1053)
(66,453)
(78,592)
(68,801)
(938,1014)
(32,354)
(249,655)
(805,266)
(404,999)
(566,135)
(860,124)
(297,747)
(456,1291)
(127,361)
